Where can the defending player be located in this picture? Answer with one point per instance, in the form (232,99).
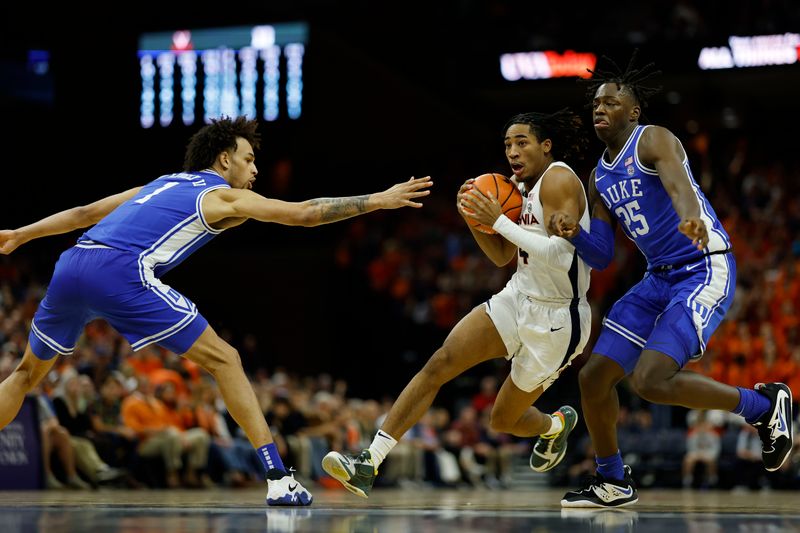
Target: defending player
(643,180)
(540,320)
(113,271)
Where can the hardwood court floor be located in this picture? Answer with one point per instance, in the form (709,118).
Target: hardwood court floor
(391,510)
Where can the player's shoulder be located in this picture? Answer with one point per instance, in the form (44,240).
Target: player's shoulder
(229,195)
(654,142)
(655,133)
(560,175)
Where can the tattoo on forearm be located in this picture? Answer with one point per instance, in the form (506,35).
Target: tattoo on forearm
(333,209)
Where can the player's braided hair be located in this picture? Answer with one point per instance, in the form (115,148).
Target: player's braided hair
(564,128)
(212,139)
(631,78)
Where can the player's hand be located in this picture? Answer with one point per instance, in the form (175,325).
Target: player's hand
(563,225)
(462,192)
(695,229)
(402,194)
(10,240)
(485,209)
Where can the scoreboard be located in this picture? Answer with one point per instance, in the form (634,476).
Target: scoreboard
(198,75)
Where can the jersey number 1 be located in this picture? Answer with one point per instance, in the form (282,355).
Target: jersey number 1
(161,189)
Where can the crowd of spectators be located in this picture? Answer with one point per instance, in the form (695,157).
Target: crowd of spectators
(110,417)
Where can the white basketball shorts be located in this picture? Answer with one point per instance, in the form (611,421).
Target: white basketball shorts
(541,337)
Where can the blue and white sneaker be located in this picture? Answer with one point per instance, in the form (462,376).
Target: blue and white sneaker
(284,489)
(603,492)
(775,426)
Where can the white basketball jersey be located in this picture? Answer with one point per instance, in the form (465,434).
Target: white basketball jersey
(532,278)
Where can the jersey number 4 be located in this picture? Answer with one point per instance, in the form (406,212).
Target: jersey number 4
(634,221)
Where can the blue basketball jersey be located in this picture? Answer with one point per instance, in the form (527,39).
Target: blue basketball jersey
(637,198)
(163,224)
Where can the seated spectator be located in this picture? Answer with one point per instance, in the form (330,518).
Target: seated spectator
(115,442)
(703,445)
(195,441)
(238,457)
(750,470)
(70,406)
(476,456)
(55,437)
(148,417)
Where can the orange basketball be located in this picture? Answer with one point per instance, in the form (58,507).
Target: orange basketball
(506,193)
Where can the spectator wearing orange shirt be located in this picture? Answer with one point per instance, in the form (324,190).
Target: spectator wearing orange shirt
(194,440)
(149,418)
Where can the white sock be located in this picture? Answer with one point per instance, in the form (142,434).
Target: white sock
(556,425)
(381,445)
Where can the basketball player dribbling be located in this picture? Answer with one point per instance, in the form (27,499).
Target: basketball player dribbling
(540,320)
(138,235)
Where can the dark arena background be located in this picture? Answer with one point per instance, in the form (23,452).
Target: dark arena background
(331,322)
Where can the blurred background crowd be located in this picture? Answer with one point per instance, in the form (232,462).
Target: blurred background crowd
(332,322)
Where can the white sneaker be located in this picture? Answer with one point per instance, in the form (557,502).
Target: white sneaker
(284,489)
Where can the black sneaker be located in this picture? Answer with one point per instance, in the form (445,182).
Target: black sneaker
(603,492)
(775,426)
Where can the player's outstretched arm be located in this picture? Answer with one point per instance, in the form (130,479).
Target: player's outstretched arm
(660,148)
(228,204)
(63,221)
(496,247)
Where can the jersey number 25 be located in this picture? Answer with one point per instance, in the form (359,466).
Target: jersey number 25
(634,221)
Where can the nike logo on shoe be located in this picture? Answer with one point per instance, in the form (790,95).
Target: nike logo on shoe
(777,424)
(292,487)
(556,329)
(626,492)
(608,492)
(547,456)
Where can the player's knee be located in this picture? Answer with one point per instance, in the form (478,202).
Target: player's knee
(651,387)
(590,383)
(438,366)
(224,358)
(501,422)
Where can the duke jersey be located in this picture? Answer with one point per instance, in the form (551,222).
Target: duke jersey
(637,198)
(548,283)
(113,271)
(163,224)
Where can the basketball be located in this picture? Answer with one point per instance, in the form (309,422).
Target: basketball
(506,193)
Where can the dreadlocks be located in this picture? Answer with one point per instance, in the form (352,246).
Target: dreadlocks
(631,78)
(564,128)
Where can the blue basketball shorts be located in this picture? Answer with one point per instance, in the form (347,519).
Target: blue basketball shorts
(673,312)
(100,282)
